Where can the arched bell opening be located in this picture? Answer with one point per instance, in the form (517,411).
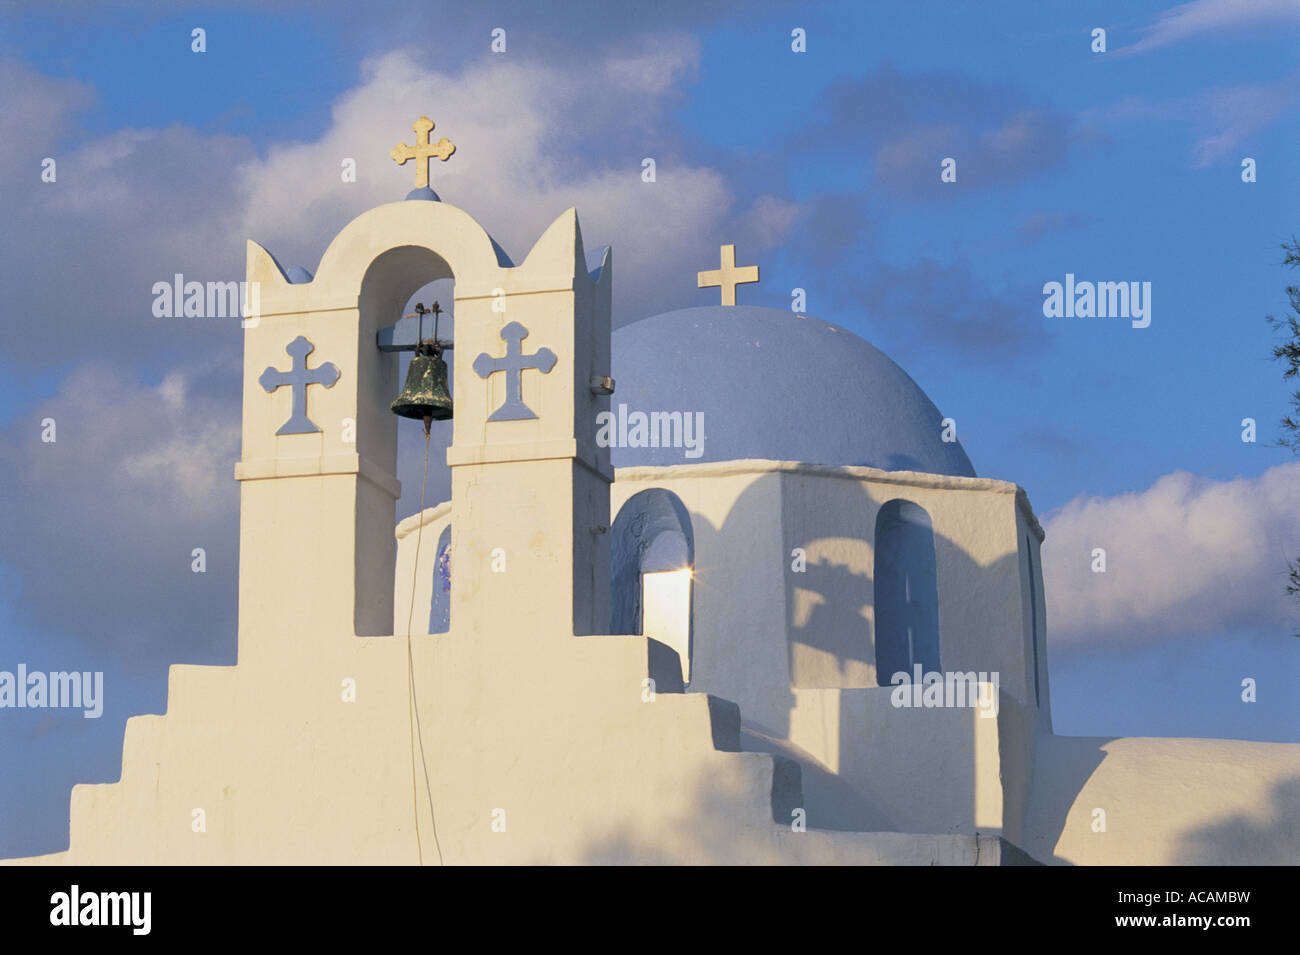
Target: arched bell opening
(396,281)
(410,431)
(389,292)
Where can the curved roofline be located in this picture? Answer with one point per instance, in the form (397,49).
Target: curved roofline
(808,332)
(799,316)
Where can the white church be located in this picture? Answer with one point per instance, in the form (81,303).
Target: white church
(720,586)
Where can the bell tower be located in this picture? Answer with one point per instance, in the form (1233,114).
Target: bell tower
(530,486)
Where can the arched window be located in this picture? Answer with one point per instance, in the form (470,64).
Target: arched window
(906,592)
(440,608)
(652,555)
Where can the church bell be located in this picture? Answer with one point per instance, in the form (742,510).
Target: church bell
(425,393)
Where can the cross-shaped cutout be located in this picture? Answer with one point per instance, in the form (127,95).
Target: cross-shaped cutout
(422,151)
(299,377)
(728,277)
(513,364)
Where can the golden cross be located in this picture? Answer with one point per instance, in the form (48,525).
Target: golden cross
(728,277)
(422,151)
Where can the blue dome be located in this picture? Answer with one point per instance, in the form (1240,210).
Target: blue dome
(773,384)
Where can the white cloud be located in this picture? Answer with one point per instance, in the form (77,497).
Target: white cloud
(37,114)
(1237,113)
(515,125)
(101,523)
(656,70)
(128,208)
(1199,17)
(1187,557)
(1223,119)
(132,207)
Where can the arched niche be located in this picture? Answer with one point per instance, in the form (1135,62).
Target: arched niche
(440,604)
(906,591)
(392,278)
(652,558)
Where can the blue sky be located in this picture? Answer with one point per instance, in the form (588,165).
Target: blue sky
(822,167)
